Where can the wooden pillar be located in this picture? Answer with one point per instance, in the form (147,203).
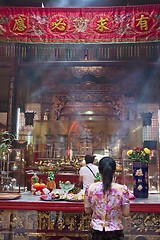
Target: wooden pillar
(12,98)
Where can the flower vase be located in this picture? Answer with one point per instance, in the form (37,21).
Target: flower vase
(140,179)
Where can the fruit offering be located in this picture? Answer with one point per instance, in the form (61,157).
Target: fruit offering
(34,179)
(51,184)
(39,188)
(66,186)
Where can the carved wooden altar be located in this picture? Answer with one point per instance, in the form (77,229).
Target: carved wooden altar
(80,108)
(29,218)
(72,97)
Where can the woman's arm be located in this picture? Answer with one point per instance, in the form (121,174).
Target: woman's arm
(87,206)
(126,210)
(125,202)
(88,210)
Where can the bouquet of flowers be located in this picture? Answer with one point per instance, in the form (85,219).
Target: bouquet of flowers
(139,154)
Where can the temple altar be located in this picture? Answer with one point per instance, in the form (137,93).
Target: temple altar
(29,218)
(86,89)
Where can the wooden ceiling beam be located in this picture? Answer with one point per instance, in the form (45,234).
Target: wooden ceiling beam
(89,63)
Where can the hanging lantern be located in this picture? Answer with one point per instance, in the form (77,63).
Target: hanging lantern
(29,117)
(147,119)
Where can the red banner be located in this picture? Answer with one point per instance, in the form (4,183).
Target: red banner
(80,25)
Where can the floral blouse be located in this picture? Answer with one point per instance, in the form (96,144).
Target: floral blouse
(106,207)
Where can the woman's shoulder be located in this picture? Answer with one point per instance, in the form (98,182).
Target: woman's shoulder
(119,187)
(95,186)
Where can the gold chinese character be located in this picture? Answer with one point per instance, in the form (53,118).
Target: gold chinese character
(59,24)
(101,24)
(19,24)
(142,23)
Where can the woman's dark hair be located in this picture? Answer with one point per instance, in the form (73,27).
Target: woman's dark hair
(107,168)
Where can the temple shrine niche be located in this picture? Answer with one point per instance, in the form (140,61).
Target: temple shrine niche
(88,116)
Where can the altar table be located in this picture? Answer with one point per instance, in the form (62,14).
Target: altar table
(30,218)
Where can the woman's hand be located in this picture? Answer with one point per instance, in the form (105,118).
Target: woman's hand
(88,210)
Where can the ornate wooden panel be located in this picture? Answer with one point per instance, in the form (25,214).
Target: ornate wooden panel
(48,225)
